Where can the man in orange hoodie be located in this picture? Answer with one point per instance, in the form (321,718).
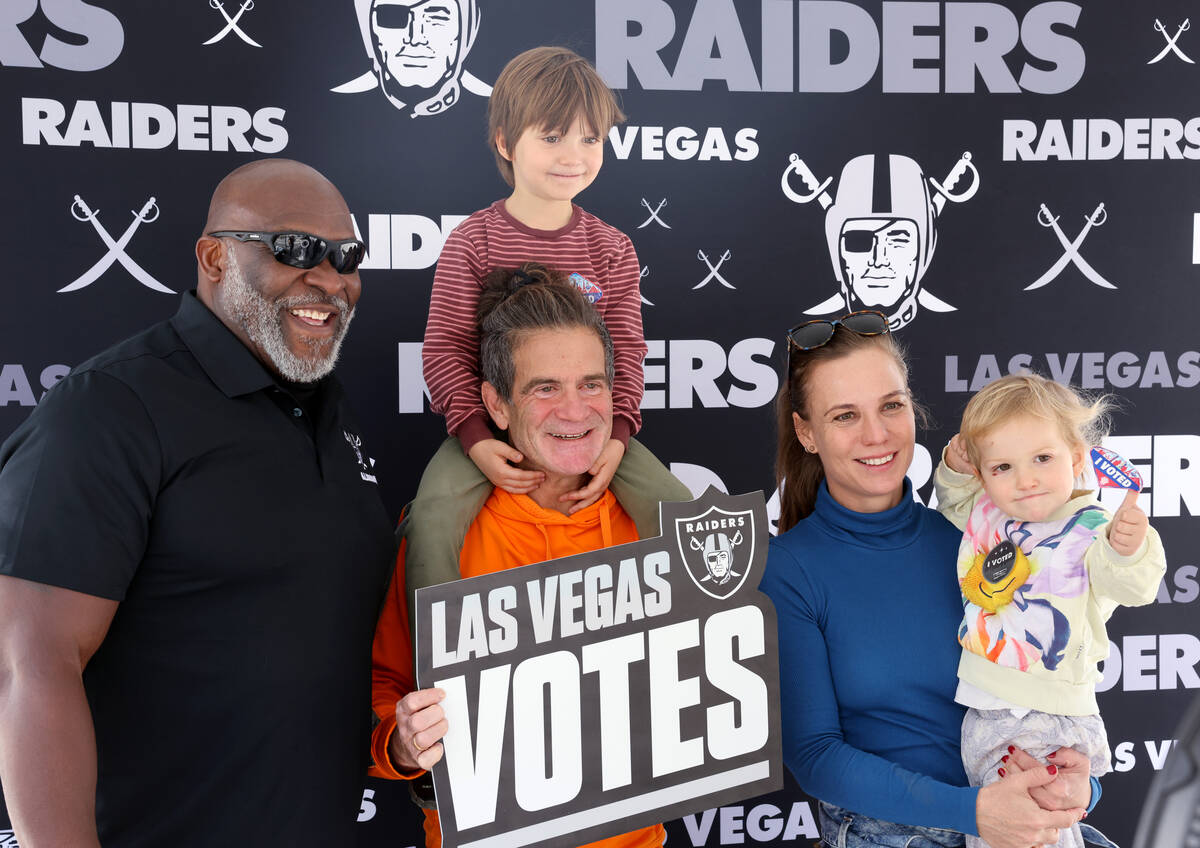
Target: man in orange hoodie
(547,365)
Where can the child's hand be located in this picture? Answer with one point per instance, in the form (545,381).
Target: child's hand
(1127,529)
(493,456)
(602,473)
(956,456)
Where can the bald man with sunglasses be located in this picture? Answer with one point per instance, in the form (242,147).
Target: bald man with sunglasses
(193,553)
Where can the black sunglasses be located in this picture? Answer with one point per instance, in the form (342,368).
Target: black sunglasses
(813,334)
(304,250)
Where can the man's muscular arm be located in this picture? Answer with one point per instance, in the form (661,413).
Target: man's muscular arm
(47,742)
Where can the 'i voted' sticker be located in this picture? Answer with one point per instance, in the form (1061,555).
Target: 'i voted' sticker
(1114,471)
(1000,562)
(590,290)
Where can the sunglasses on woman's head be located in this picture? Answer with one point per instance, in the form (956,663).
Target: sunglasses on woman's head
(304,250)
(814,334)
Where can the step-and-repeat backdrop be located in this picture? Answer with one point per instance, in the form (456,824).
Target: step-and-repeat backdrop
(1039,156)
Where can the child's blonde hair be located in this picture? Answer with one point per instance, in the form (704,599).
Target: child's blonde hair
(547,88)
(1082,419)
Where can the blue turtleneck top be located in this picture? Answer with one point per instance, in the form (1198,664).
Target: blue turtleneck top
(868,608)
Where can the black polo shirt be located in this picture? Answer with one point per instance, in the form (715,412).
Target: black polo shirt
(242,532)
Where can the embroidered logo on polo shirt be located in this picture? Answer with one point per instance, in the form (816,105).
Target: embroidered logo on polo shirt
(590,290)
(366,464)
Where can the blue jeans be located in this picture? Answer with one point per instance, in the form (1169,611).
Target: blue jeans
(844,829)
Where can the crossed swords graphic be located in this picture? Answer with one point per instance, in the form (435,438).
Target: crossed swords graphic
(645,272)
(654,214)
(1172,45)
(817,191)
(713,270)
(1071,248)
(116,249)
(231,24)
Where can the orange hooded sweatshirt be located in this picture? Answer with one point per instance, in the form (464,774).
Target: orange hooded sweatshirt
(510,531)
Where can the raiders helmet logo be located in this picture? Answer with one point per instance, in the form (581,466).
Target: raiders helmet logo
(717,546)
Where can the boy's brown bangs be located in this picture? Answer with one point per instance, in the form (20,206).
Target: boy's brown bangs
(572,95)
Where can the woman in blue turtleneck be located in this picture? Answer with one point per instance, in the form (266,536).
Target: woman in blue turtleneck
(863,583)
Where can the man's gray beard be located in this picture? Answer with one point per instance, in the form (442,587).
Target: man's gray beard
(262,320)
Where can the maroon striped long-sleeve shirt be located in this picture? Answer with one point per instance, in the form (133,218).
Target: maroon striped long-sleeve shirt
(492,238)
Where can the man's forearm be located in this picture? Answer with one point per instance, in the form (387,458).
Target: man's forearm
(48,756)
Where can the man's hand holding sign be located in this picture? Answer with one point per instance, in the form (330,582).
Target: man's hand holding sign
(420,725)
(620,683)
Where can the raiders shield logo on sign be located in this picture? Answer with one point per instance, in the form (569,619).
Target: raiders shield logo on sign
(717,546)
